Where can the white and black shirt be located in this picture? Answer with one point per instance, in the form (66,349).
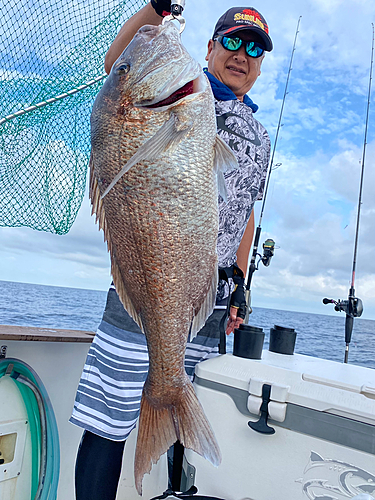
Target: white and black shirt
(251,145)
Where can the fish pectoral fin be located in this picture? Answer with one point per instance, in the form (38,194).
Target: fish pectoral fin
(168,136)
(224,161)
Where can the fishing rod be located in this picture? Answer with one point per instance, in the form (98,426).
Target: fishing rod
(269,244)
(353,307)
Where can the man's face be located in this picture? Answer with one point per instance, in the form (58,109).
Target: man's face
(236,70)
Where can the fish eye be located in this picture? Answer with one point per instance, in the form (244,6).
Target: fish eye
(123,69)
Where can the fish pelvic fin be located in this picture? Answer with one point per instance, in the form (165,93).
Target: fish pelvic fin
(224,161)
(161,426)
(99,211)
(207,307)
(168,136)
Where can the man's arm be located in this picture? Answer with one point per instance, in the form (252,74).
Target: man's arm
(245,245)
(146,15)
(242,262)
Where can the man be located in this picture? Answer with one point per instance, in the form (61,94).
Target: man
(109,393)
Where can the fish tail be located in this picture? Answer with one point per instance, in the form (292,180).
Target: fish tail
(160,427)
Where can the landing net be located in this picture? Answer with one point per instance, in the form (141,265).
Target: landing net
(51,68)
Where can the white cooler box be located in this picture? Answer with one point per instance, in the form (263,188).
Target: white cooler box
(323,415)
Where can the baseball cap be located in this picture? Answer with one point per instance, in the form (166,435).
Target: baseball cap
(243,18)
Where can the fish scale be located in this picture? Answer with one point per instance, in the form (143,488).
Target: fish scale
(154,176)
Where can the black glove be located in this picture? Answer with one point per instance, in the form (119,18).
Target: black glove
(237,298)
(162,7)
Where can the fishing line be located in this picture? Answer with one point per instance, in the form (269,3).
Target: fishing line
(363,164)
(353,307)
(269,245)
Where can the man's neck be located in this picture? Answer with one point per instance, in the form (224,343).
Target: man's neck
(224,93)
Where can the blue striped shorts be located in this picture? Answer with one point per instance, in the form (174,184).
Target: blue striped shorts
(110,390)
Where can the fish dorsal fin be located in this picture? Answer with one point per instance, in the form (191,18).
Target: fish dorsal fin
(206,309)
(98,210)
(166,137)
(224,161)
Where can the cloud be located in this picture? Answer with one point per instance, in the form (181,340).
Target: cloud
(344,172)
(312,214)
(84,243)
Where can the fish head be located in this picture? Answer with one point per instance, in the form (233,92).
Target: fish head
(155,66)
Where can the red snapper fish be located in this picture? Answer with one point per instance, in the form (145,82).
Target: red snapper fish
(156,163)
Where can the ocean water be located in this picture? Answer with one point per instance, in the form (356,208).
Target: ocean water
(77,309)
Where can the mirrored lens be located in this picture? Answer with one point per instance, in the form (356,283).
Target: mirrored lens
(254,49)
(232,43)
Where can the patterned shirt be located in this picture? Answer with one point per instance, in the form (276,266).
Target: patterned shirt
(250,143)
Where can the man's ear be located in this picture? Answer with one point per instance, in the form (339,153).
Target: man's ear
(209,49)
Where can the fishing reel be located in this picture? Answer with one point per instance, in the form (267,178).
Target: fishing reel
(268,252)
(353,307)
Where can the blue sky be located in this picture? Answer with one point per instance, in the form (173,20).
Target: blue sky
(312,201)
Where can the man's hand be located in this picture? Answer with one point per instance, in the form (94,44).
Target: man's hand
(238,305)
(162,7)
(234,320)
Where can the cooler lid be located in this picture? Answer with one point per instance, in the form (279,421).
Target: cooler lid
(327,386)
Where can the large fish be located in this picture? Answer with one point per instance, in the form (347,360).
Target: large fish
(155,164)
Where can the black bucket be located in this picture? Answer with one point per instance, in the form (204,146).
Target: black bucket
(282,340)
(248,342)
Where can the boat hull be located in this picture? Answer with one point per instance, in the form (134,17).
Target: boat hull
(59,364)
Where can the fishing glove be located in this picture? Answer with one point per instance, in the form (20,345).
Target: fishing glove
(162,7)
(237,299)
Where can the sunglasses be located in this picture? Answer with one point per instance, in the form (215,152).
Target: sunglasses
(253,49)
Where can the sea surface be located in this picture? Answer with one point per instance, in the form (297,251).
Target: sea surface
(78,309)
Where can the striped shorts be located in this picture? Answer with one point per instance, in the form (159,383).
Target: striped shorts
(110,390)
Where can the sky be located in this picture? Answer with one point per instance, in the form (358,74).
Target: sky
(312,201)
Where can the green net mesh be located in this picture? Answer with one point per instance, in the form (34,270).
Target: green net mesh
(49,48)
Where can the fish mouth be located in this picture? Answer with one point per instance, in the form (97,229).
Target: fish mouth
(180,93)
(179,89)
